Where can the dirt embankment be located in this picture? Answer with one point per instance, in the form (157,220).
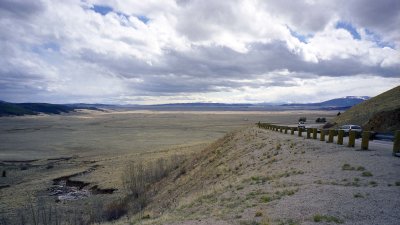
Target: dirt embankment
(256,176)
(384,121)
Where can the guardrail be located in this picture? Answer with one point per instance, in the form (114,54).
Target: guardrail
(366,136)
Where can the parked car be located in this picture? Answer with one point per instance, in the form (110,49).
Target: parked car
(350,127)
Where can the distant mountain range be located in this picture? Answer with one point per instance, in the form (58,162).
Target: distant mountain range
(18,109)
(347,101)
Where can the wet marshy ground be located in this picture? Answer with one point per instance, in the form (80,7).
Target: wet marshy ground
(66,189)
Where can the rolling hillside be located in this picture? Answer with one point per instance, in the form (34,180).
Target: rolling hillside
(371,110)
(20,109)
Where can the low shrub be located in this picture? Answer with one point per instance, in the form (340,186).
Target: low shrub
(366,174)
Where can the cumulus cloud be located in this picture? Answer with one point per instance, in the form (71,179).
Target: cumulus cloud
(119,51)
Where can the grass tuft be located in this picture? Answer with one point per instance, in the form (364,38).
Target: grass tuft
(347,167)
(358,195)
(366,174)
(326,218)
(360,168)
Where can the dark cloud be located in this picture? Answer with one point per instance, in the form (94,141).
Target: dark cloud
(210,69)
(304,16)
(20,9)
(383,15)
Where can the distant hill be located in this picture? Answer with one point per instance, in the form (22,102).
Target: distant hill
(378,112)
(333,104)
(342,103)
(17,109)
(204,105)
(20,109)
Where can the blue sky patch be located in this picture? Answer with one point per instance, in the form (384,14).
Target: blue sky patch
(378,40)
(46,46)
(350,28)
(144,19)
(102,9)
(300,37)
(51,45)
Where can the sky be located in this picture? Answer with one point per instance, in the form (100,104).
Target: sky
(177,51)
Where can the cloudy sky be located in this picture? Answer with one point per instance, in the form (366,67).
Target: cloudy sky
(162,51)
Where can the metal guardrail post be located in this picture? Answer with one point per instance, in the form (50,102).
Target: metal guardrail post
(352,138)
(281,129)
(331,134)
(292,130)
(396,142)
(308,133)
(365,140)
(286,128)
(340,137)
(322,135)
(314,133)
(300,131)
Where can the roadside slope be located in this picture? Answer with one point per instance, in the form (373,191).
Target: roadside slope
(256,176)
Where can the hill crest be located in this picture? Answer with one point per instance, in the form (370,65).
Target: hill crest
(364,112)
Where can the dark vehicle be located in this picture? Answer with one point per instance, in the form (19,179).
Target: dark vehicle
(302,125)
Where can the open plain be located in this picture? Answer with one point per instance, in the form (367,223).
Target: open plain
(223,170)
(92,148)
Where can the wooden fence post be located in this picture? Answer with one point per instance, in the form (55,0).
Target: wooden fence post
(331,134)
(322,135)
(396,142)
(308,133)
(340,137)
(314,133)
(352,138)
(365,140)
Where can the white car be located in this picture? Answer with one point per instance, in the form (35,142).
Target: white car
(350,127)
